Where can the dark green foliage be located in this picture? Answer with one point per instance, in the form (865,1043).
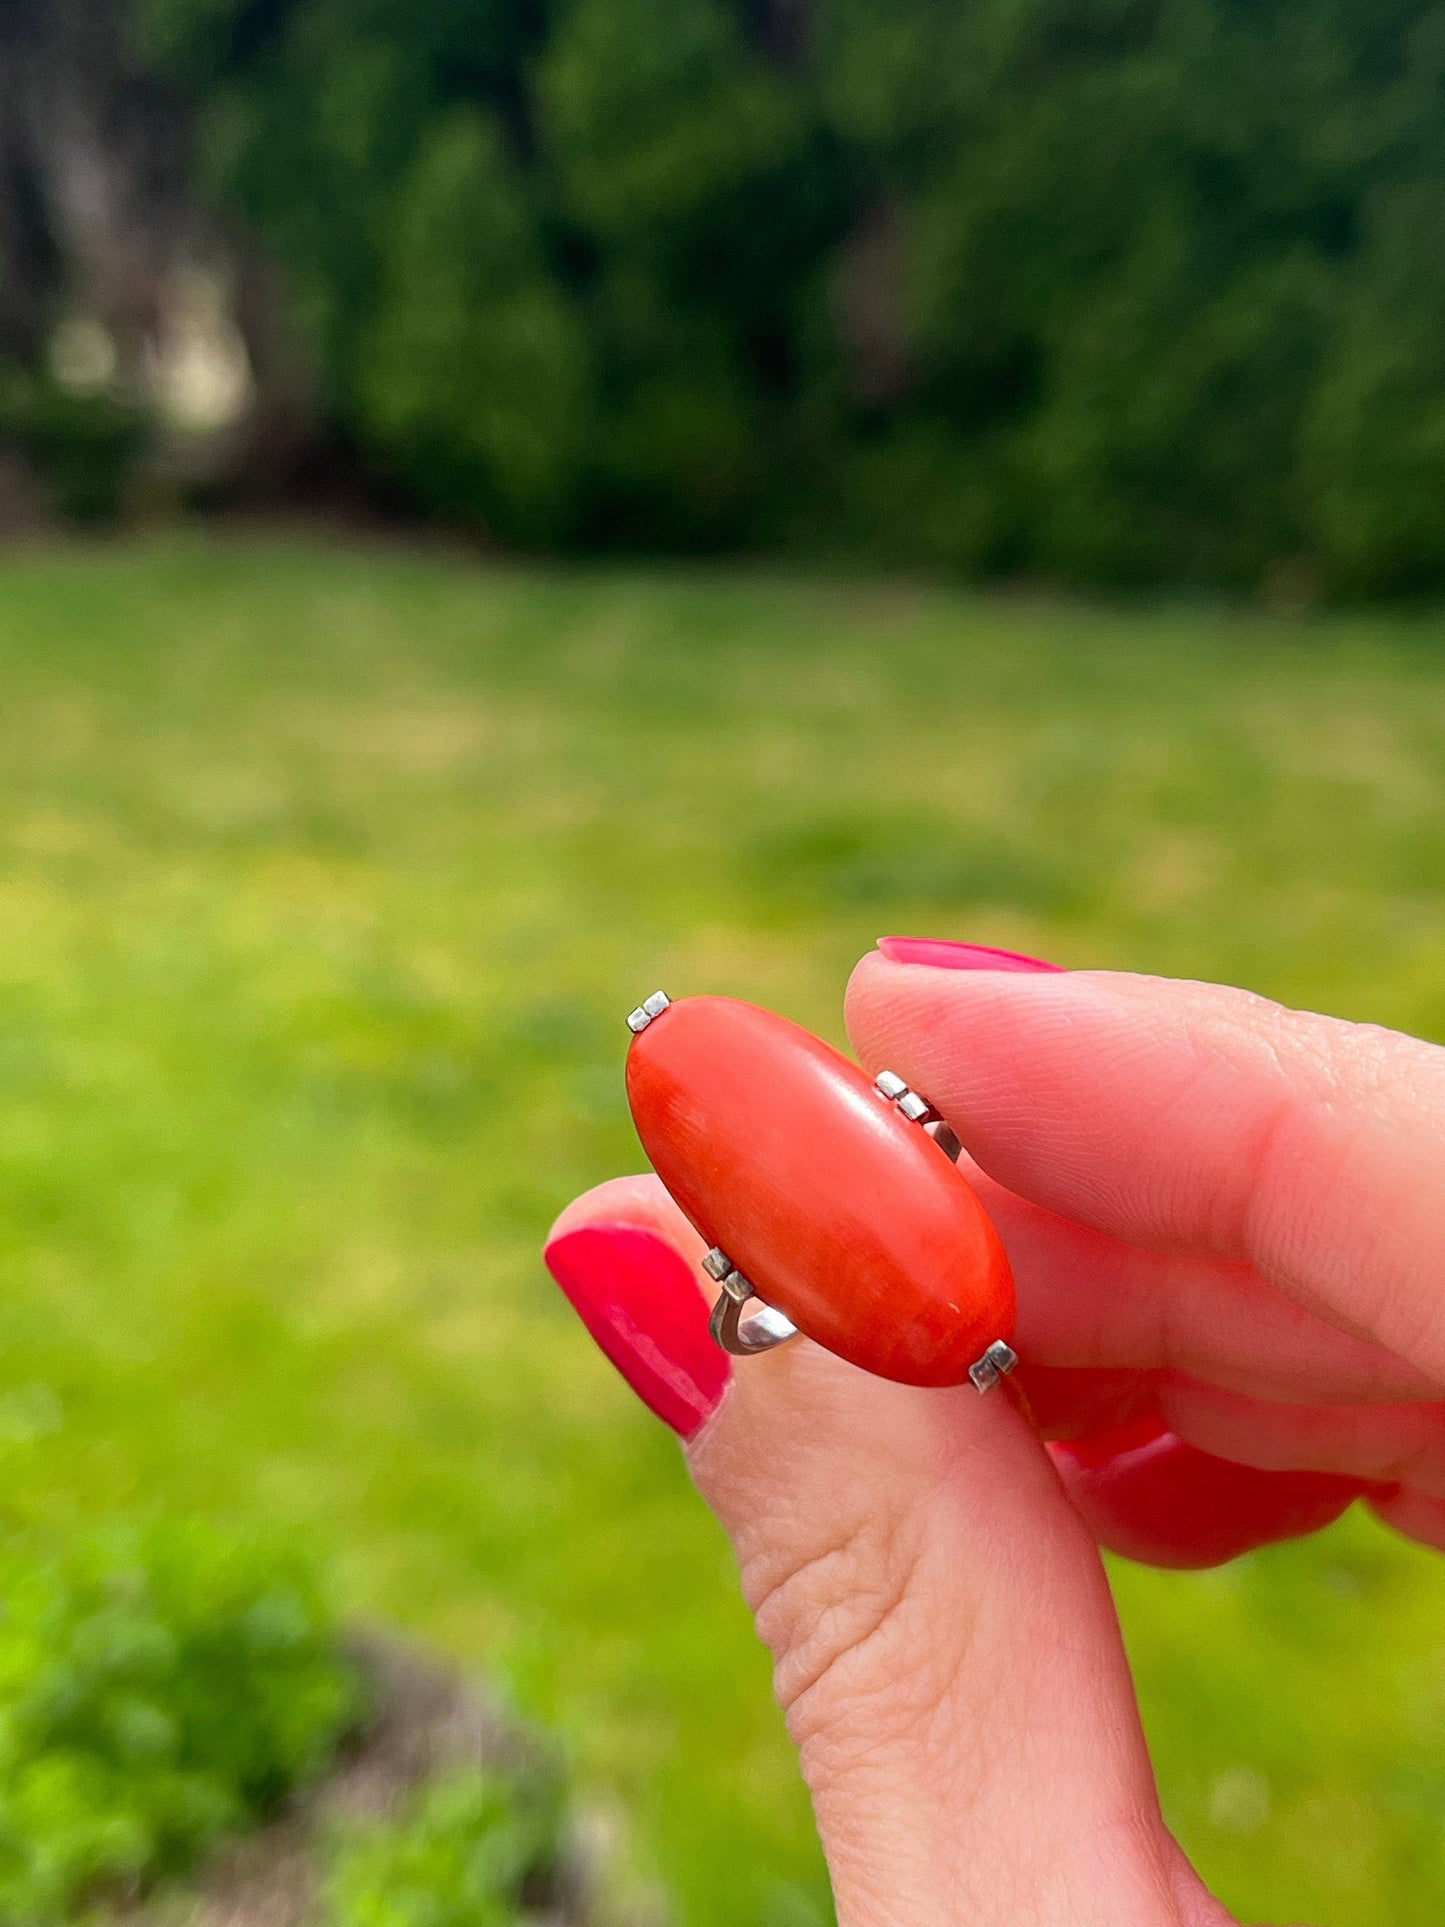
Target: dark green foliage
(472,384)
(1106,288)
(471,1850)
(157,1689)
(81,447)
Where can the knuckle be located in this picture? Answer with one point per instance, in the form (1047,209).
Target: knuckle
(864,1646)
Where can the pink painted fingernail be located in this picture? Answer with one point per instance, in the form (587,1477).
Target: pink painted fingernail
(640,1300)
(944,955)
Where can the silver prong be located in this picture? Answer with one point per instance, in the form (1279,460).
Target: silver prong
(650,1007)
(736,1287)
(717,1263)
(915,1108)
(946,1138)
(890,1084)
(999,1359)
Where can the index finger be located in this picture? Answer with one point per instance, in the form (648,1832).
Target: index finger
(1193,1118)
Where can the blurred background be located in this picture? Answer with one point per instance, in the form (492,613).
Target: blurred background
(508,503)
(1107,290)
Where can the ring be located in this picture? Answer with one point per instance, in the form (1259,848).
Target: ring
(879,1251)
(764,1331)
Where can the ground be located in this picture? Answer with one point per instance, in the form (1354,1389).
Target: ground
(326,878)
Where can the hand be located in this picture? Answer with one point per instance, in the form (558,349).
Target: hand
(1223,1215)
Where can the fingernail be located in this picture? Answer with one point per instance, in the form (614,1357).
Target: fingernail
(639,1299)
(1100,1448)
(944,955)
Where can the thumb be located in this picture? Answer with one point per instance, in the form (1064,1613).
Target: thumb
(944,1643)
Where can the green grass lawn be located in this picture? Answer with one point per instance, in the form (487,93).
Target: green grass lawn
(326,877)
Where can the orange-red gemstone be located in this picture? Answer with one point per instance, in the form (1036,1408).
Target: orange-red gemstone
(839,1210)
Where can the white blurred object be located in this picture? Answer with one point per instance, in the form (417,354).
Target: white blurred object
(197,368)
(1239,1800)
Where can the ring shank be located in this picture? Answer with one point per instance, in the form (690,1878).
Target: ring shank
(762,1331)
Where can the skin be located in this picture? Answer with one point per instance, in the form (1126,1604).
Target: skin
(1216,1207)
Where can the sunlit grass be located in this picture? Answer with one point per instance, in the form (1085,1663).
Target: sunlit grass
(325,877)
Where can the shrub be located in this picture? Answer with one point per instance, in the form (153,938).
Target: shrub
(472,1849)
(82,448)
(158,1687)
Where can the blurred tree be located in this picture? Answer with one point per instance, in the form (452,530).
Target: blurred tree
(1115,289)
(1375,447)
(680,160)
(102,230)
(472,376)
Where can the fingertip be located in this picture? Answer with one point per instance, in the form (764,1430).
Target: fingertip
(868,980)
(626,1260)
(894,1005)
(637,1200)
(1129,1103)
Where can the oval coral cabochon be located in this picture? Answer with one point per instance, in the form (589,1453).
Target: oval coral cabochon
(841,1212)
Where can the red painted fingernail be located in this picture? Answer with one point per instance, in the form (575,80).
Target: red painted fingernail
(944,955)
(1147,1494)
(640,1300)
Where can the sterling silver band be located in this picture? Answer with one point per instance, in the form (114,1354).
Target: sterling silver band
(763,1331)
